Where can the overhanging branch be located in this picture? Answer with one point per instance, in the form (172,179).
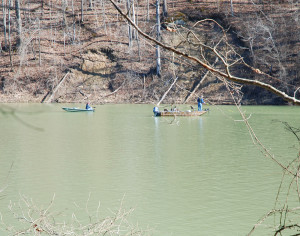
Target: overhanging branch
(227,75)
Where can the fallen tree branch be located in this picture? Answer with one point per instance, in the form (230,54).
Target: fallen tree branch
(165,94)
(198,85)
(48,97)
(115,90)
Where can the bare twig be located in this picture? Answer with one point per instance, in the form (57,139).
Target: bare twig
(37,221)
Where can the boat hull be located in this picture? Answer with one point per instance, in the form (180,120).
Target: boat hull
(179,113)
(75,109)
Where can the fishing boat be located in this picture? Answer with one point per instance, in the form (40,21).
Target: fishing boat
(178,113)
(76,109)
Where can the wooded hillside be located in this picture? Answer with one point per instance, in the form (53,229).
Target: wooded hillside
(78,51)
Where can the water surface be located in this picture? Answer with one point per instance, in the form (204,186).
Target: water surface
(189,176)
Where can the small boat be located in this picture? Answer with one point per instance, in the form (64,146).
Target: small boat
(76,109)
(179,113)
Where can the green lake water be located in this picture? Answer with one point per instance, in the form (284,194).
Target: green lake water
(189,176)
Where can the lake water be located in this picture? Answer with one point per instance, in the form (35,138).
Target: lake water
(189,176)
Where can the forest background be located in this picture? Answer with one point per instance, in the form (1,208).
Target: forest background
(84,50)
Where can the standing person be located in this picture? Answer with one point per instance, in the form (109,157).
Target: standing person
(156,111)
(200,101)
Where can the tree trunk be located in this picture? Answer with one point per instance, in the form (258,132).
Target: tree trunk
(82,10)
(158,62)
(40,59)
(50,15)
(72,5)
(19,22)
(129,25)
(231,8)
(4,23)
(104,16)
(133,19)
(64,7)
(42,6)
(137,33)
(9,38)
(148,17)
(73,15)
(165,8)
(64,43)
(90,4)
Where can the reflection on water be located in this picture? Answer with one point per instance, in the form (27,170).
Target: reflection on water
(201,175)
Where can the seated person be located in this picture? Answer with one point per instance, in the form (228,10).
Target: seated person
(87,107)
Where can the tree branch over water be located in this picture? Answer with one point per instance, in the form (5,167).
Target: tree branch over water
(6,110)
(225,58)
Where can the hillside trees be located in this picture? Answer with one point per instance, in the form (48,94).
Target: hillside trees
(273,40)
(229,58)
(58,33)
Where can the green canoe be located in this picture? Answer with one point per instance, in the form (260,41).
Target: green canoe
(76,109)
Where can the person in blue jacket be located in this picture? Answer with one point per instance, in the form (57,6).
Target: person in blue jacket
(155,111)
(200,101)
(88,107)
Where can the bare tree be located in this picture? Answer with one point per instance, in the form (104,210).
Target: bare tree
(90,4)
(231,8)
(133,17)
(158,36)
(40,58)
(42,7)
(4,22)
(128,5)
(19,22)
(271,34)
(82,6)
(228,58)
(9,35)
(165,8)
(148,16)
(64,5)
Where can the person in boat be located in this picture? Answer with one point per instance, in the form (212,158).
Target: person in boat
(88,107)
(155,111)
(200,101)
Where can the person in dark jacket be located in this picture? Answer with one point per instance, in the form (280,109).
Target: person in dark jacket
(200,101)
(88,107)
